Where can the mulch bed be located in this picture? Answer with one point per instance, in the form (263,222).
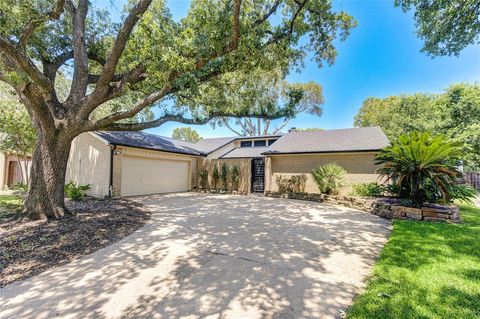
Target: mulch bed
(29,248)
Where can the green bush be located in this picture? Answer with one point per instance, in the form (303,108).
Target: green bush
(203,174)
(235,176)
(462,193)
(215,176)
(329,178)
(422,167)
(20,187)
(224,175)
(74,191)
(372,189)
(294,184)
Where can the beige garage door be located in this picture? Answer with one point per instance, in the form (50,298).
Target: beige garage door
(141,176)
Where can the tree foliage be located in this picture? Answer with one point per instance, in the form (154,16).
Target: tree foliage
(151,59)
(330,178)
(447,27)
(260,92)
(186,134)
(455,113)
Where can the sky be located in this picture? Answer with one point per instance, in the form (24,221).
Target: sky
(380,58)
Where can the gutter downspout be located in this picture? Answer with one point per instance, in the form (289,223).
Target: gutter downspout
(110,184)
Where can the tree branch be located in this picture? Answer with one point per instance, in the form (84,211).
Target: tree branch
(225,121)
(35,22)
(180,119)
(267,15)
(119,46)
(80,69)
(24,63)
(289,31)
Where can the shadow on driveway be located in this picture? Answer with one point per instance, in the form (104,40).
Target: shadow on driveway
(215,256)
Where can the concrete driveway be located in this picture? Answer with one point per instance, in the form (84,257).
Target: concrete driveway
(214,256)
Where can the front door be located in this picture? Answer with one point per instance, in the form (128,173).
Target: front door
(258,175)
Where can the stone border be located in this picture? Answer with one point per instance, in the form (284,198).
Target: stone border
(217,191)
(386,207)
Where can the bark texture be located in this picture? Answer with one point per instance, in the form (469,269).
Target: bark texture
(45,196)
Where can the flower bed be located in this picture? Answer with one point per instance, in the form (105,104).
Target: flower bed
(384,207)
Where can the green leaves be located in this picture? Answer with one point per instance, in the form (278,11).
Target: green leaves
(421,166)
(186,134)
(447,27)
(329,178)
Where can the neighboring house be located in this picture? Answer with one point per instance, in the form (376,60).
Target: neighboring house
(11,173)
(136,163)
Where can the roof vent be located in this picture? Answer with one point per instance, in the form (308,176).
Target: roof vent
(293,129)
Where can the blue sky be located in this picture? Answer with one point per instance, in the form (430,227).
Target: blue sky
(380,58)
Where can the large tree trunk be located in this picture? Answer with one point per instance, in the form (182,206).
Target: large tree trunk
(45,196)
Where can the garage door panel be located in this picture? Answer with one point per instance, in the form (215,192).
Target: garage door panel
(142,176)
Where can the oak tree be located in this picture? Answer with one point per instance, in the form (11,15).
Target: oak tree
(150,57)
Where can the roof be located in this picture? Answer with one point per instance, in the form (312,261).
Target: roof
(245,152)
(341,140)
(149,141)
(209,145)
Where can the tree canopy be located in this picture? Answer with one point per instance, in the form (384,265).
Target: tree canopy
(447,27)
(149,59)
(455,113)
(186,134)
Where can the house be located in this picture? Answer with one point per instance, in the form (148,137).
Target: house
(13,169)
(137,163)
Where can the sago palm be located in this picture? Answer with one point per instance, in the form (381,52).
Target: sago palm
(421,166)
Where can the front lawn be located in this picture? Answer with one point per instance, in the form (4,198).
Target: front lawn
(426,270)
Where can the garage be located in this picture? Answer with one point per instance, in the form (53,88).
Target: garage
(142,176)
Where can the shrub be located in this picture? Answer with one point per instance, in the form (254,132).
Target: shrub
(20,187)
(235,176)
(329,178)
(421,167)
(203,174)
(372,189)
(74,191)
(294,184)
(224,175)
(215,176)
(463,193)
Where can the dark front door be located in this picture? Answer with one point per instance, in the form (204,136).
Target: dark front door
(258,175)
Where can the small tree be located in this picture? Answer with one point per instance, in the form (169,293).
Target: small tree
(215,176)
(186,134)
(203,174)
(18,135)
(224,176)
(235,176)
(329,178)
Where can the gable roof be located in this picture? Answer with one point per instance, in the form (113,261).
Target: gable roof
(149,141)
(209,145)
(330,141)
(246,152)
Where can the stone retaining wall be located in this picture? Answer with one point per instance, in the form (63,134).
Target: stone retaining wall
(383,207)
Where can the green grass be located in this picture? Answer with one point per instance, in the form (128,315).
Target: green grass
(10,204)
(426,270)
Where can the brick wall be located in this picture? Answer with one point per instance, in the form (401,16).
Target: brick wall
(360,168)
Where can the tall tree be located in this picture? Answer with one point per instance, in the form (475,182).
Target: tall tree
(186,134)
(447,27)
(455,113)
(151,57)
(264,92)
(17,135)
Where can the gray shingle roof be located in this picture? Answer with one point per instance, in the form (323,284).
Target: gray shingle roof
(346,140)
(243,152)
(150,141)
(212,144)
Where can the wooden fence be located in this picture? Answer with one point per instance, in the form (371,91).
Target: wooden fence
(472,179)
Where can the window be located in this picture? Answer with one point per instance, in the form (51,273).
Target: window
(270,142)
(260,143)
(246,144)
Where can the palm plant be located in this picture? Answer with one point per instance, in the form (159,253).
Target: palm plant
(420,166)
(215,176)
(235,176)
(329,178)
